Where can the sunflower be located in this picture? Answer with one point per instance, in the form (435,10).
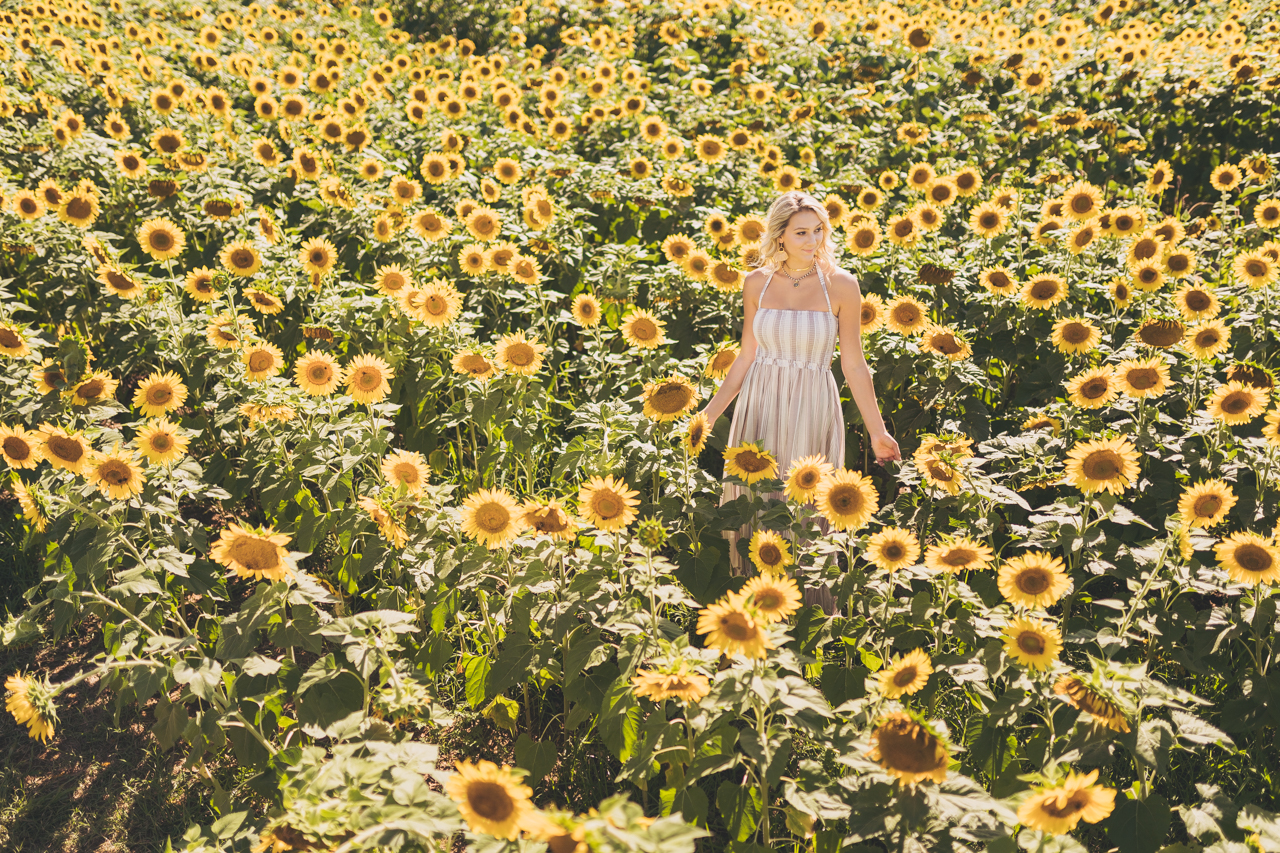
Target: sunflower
(20,448)
(1084,697)
(27,205)
(264,302)
(1139,378)
(1237,402)
(1207,340)
(159,394)
(669,398)
(1249,558)
(1226,177)
(806,476)
(492,517)
(586,310)
(1196,302)
(732,629)
(1271,431)
(389,527)
(160,442)
(97,387)
(490,798)
(1033,579)
(408,469)
(66,450)
(643,330)
(988,220)
(1267,213)
(81,206)
(871,313)
(317,374)
(1032,642)
(957,555)
(30,701)
(119,282)
(484,223)
(131,164)
(1035,422)
(161,239)
(549,518)
(1109,464)
(116,474)
(367,379)
(517,354)
(847,499)
(721,360)
(318,256)
(1075,335)
(254,552)
(893,548)
(607,503)
(1255,269)
(1094,388)
(1057,810)
(769,551)
(1179,262)
(909,750)
(676,682)
(907,674)
(473,364)
(1081,200)
(261,361)
(1043,291)
(999,280)
(750,463)
(199,283)
(906,315)
(773,596)
(694,435)
(240,258)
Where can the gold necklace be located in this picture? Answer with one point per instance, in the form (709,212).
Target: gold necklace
(795,281)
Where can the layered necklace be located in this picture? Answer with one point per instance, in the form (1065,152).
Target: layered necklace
(795,280)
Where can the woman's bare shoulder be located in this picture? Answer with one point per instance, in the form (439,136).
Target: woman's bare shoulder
(754,283)
(844,282)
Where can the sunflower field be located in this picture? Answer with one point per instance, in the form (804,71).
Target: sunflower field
(350,376)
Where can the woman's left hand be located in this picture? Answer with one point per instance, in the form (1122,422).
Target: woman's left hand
(886,448)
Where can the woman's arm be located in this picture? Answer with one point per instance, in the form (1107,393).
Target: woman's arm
(732,383)
(853,364)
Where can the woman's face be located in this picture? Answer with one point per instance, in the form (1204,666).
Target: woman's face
(802,238)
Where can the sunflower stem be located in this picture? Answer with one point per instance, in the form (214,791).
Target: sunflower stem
(1146,587)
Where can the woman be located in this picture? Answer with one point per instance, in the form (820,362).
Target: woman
(790,404)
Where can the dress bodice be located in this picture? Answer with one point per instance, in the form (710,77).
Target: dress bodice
(795,338)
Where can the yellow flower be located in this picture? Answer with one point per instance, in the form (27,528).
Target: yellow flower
(643,330)
(694,437)
(731,629)
(161,239)
(261,360)
(893,548)
(721,360)
(317,374)
(773,595)
(1033,579)
(367,379)
(1075,335)
(408,469)
(1044,291)
(199,283)
(161,443)
(159,394)
(66,450)
(30,702)
(13,341)
(1271,431)
(676,682)
(1237,402)
(473,364)
(1207,339)
(1249,558)
(20,448)
(1139,378)
(1059,809)
(607,503)
(240,258)
(1109,464)
(388,526)
(586,310)
(906,315)
(490,798)
(318,256)
(907,674)
(1083,697)
(806,476)
(254,552)
(1197,302)
(1206,504)
(957,555)
(517,354)
(669,398)
(264,302)
(549,518)
(1094,388)
(1032,642)
(847,499)
(116,474)
(909,750)
(97,387)
(492,518)
(749,462)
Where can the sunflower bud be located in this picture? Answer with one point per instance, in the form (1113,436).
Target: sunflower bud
(651,534)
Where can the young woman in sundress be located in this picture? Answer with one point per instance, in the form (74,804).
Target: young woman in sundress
(795,307)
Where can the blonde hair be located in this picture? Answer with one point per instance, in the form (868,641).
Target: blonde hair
(779,216)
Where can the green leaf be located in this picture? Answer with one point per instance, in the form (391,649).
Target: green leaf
(326,695)
(476,669)
(739,808)
(538,757)
(511,667)
(689,803)
(1139,826)
(503,713)
(171,720)
(202,675)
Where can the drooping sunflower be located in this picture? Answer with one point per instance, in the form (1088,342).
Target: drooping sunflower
(906,315)
(20,448)
(1060,808)
(694,435)
(517,354)
(1032,643)
(261,360)
(66,450)
(549,518)
(1094,388)
(773,596)
(1249,558)
(643,330)
(893,548)
(586,310)
(909,750)
(161,239)
(1138,377)
(390,528)
(1206,503)
(1083,696)
(1035,422)
(847,499)
(254,552)
(492,517)
(161,442)
(806,476)
(607,503)
(1161,333)
(906,675)
(368,379)
(318,256)
(474,364)
(1033,579)
(1108,464)
(675,682)
(240,258)
(405,468)
(1075,335)
(1237,402)
(957,555)
(749,462)
(769,551)
(732,629)
(30,700)
(491,799)
(669,398)
(116,474)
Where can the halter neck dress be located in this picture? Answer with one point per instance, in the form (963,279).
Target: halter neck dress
(789,403)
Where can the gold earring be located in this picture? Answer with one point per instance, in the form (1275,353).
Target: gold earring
(782,253)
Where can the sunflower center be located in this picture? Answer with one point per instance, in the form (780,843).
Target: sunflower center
(320,374)
(367,378)
(66,449)
(79,208)
(1143,378)
(909,748)
(242,259)
(606,504)
(644,330)
(1198,300)
(1237,402)
(1031,643)
(738,627)
(865,238)
(958,557)
(770,555)
(1095,388)
(999,280)
(807,478)
(161,442)
(1253,558)
(159,394)
(751,462)
(1102,465)
(945,343)
(492,518)
(261,360)
(846,499)
(1065,806)
(1075,333)
(256,555)
(989,220)
(91,389)
(161,241)
(906,315)
(490,801)
(1043,290)
(475,364)
(1207,506)
(521,355)
(671,398)
(1256,269)
(406,473)
(16,448)
(893,551)
(115,472)
(1032,581)
(905,676)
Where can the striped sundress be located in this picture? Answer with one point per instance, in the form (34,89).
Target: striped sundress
(789,403)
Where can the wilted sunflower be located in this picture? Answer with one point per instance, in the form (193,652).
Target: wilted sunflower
(674,682)
(847,499)
(586,310)
(264,302)
(906,675)
(643,330)
(1032,642)
(607,503)
(721,360)
(159,394)
(1033,579)
(517,354)
(769,551)
(732,629)
(408,469)
(549,518)
(750,463)
(957,555)
(1043,291)
(261,361)
(669,398)
(772,596)
(1249,558)
(160,442)
(30,700)
(1083,696)
(1109,464)
(893,548)
(1236,402)
(694,437)
(116,474)
(1094,388)
(906,315)
(69,451)
(240,258)
(20,448)
(254,552)
(1207,340)
(492,517)
(490,798)
(473,364)
(806,476)
(368,379)
(909,749)
(1139,378)
(1075,335)
(318,256)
